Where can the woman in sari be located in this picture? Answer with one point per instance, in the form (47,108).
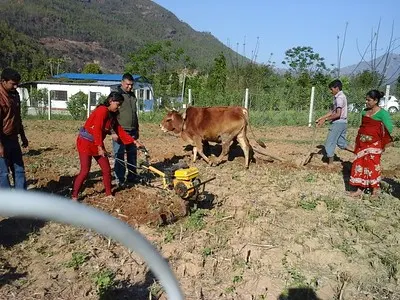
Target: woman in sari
(373,135)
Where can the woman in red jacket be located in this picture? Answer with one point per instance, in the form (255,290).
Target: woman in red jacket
(90,141)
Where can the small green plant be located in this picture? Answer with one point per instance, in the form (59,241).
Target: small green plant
(346,248)
(169,235)
(237,278)
(308,204)
(196,220)
(392,263)
(332,204)
(104,281)
(207,251)
(230,289)
(310,178)
(77,260)
(155,289)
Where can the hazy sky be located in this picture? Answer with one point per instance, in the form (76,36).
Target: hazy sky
(281,25)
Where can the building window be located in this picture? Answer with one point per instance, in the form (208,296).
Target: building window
(148,96)
(59,95)
(141,93)
(94,97)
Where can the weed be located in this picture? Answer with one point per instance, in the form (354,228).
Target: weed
(155,289)
(296,278)
(346,248)
(207,251)
(308,204)
(332,204)
(310,178)
(239,263)
(230,289)
(254,214)
(77,260)
(237,278)
(196,220)
(104,281)
(169,235)
(392,263)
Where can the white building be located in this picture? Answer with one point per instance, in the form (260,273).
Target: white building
(63,86)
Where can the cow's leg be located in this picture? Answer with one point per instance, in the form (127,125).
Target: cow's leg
(194,154)
(226,143)
(245,145)
(199,149)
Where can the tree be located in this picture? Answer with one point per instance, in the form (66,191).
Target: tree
(155,58)
(77,105)
(304,60)
(55,65)
(397,87)
(218,75)
(366,80)
(92,68)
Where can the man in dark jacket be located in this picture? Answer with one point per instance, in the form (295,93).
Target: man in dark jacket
(10,130)
(128,119)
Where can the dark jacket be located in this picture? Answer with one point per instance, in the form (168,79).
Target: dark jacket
(10,114)
(127,116)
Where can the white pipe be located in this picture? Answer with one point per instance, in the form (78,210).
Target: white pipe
(387,96)
(88,106)
(246,99)
(50,207)
(189,97)
(311,106)
(49,105)
(183,86)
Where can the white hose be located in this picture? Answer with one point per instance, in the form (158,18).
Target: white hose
(54,208)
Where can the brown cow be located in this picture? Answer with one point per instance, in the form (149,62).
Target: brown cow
(219,124)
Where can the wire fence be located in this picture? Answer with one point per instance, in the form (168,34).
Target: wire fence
(277,106)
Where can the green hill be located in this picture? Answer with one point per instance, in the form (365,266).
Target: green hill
(106,31)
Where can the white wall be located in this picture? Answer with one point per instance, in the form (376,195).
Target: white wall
(71,90)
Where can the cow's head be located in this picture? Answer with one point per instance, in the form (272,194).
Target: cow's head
(172,122)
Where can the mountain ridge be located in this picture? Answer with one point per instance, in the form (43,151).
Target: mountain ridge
(120,26)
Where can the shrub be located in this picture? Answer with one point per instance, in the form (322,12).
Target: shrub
(77,106)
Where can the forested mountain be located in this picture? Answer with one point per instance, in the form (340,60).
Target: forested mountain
(106,31)
(22,52)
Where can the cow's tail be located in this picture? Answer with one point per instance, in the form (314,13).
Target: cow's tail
(246,116)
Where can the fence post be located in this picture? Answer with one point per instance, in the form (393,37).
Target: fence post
(49,105)
(189,97)
(88,106)
(246,99)
(387,96)
(311,106)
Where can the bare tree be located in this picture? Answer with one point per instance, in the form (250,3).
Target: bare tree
(378,65)
(340,49)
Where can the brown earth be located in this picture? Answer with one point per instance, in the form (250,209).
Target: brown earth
(276,231)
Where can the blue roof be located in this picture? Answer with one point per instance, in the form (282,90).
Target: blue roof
(98,77)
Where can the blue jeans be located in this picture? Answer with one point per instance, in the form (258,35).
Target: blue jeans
(12,162)
(120,165)
(336,136)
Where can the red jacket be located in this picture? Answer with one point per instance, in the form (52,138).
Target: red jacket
(99,124)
